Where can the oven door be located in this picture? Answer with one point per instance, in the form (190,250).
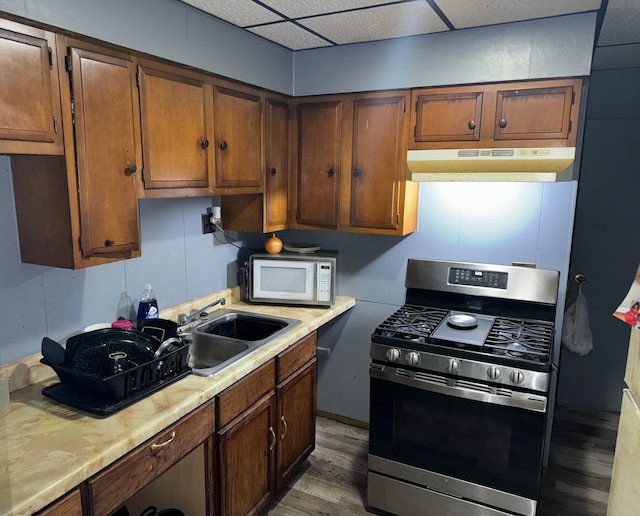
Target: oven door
(459,431)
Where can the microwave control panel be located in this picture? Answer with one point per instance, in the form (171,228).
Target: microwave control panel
(324,281)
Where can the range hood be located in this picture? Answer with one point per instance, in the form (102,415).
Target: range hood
(520,164)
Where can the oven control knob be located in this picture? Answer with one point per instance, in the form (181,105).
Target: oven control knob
(516,377)
(453,366)
(494,373)
(413,358)
(393,354)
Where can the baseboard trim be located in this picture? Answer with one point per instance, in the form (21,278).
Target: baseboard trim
(343,419)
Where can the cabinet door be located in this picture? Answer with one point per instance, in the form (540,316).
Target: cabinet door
(238,139)
(29,91)
(378,162)
(535,113)
(296,420)
(259,213)
(176,116)
(446,115)
(319,165)
(69,505)
(247,459)
(105,105)
(277,161)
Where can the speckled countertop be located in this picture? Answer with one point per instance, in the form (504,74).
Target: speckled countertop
(47,449)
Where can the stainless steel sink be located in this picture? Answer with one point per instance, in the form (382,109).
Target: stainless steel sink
(231,335)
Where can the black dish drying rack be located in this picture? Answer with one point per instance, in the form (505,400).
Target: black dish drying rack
(105,395)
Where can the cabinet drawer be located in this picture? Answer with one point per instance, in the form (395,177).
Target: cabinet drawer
(116,484)
(244,393)
(69,505)
(296,356)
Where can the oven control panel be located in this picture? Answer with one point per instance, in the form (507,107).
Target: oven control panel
(476,278)
(464,368)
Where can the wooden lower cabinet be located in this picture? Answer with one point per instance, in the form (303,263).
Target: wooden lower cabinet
(229,457)
(247,459)
(69,505)
(296,420)
(272,430)
(118,483)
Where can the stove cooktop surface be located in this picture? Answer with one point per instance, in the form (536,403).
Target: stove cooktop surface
(494,338)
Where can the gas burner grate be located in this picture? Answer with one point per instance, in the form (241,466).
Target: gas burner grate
(411,322)
(521,338)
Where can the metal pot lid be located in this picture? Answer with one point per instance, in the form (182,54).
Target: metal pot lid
(462,321)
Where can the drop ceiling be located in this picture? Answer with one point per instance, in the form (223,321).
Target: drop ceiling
(306,24)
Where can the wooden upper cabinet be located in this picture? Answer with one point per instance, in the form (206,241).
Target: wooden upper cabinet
(30,118)
(447,116)
(319,163)
(177,129)
(540,113)
(535,113)
(277,164)
(81,209)
(269,212)
(107,146)
(237,113)
(378,161)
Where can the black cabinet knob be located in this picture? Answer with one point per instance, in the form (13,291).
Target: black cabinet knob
(223,146)
(273,171)
(502,123)
(132,168)
(331,172)
(472,124)
(357,172)
(108,243)
(204,144)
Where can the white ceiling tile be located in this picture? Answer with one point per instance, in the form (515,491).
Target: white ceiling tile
(476,13)
(238,12)
(621,23)
(385,22)
(300,8)
(289,35)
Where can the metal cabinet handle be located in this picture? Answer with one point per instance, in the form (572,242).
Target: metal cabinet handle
(273,439)
(132,168)
(285,428)
(502,123)
(331,172)
(357,172)
(223,146)
(204,144)
(155,447)
(472,124)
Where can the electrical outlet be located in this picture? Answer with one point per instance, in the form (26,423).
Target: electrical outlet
(207,225)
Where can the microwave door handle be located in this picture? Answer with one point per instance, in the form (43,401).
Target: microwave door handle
(530,402)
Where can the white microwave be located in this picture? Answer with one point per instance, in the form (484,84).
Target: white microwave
(293,278)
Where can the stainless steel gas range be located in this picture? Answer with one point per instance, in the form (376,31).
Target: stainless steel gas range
(459,378)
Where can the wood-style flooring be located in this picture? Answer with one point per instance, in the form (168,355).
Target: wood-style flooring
(332,481)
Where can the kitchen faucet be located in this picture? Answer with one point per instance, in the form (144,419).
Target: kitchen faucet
(184,319)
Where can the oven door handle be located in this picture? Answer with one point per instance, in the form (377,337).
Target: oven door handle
(530,402)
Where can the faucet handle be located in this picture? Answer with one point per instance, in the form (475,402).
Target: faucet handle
(182,319)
